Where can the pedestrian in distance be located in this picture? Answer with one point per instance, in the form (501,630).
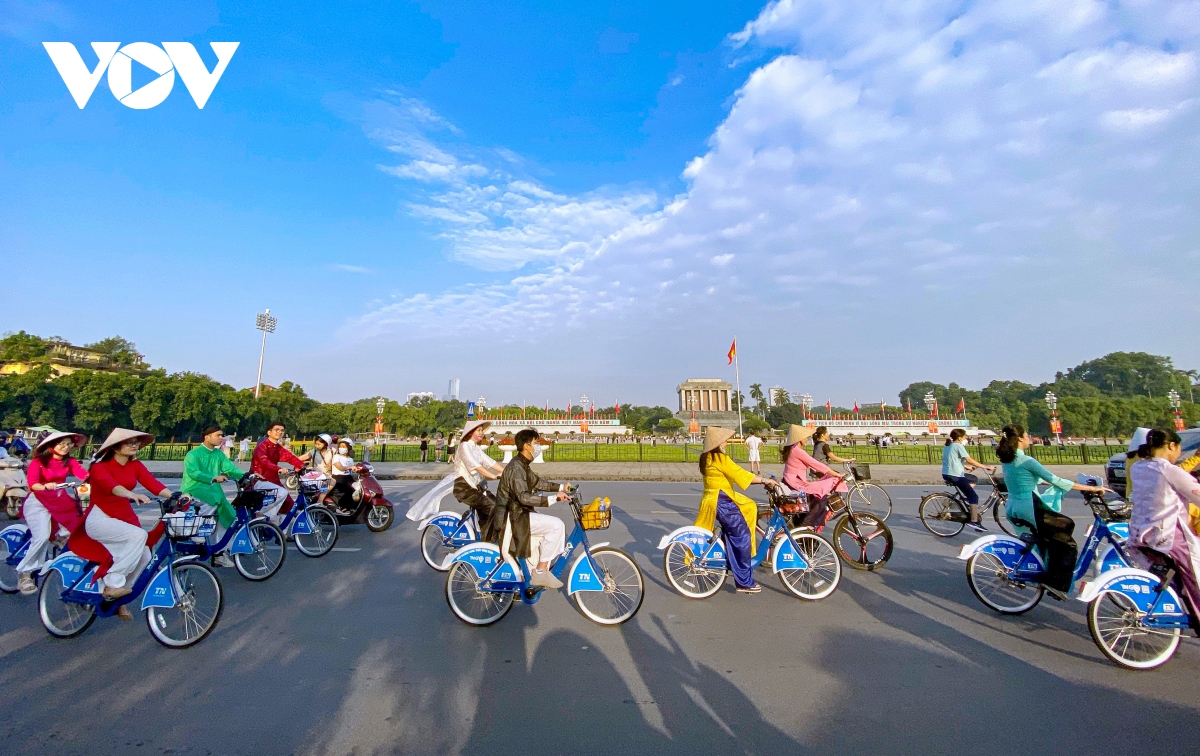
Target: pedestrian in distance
(955,464)
(424,447)
(439,448)
(721,503)
(244,449)
(753,447)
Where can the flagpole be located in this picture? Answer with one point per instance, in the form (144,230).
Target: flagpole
(738,377)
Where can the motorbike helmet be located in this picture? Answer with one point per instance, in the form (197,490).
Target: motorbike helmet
(346,441)
(326,438)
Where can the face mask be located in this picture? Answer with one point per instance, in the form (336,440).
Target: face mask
(537,449)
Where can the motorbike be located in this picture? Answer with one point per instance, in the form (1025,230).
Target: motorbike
(368,506)
(13,486)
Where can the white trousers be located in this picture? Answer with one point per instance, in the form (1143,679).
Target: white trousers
(126,543)
(38,520)
(272,510)
(553,533)
(219,531)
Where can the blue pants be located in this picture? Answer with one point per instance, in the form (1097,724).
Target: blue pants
(737,537)
(963,484)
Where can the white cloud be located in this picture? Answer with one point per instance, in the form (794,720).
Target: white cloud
(890,153)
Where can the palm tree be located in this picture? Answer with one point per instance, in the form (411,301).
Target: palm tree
(760,400)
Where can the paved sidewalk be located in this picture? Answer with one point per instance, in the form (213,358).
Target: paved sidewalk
(683,472)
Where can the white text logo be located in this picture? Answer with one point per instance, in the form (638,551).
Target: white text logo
(118,61)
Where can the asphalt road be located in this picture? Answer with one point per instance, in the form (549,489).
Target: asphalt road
(358,653)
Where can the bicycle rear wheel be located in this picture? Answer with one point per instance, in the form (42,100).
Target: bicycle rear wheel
(434,547)
(1116,625)
(688,575)
(270,549)
(991,582)
(198,605)
(623,591)
(469,602)
(62,619)
(824,570)
(943,515)
(1000,514)
(867,549)
(324,533)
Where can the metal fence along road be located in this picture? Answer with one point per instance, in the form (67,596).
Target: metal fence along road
(916,454)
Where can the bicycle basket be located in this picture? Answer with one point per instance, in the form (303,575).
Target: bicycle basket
(596,516)
(861,471)
(188,524)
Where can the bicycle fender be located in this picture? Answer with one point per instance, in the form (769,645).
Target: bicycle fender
(786,557)
(1119,530)
(1004,547)
(687,534)
(161,591)
(70,567)
(447,522)
(241,543)
(483,558)
(583,576)
(1138,586)
(14,536)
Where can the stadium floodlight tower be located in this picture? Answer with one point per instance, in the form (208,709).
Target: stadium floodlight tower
(265,323)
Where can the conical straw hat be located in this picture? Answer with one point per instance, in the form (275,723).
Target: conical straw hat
(121,435)
(798,434)
(714,436)
(55,436)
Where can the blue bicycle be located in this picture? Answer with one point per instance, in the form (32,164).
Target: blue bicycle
(1136,616)
(256,545)
(696,566)
(312,527)
(181,596)
(443,534)
(14,545)
(1006,573)
(605,582)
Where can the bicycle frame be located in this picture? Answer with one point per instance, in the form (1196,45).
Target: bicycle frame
(1152,595)
(296,521)
(456,531)
(154,581)
(496,574)
(709,548)
(1024,562)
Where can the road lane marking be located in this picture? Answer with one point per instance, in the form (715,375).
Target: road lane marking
(343,548)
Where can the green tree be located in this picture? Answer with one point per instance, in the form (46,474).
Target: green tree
(760,399)
(1131,374)
(120,351)
(22,347)
(670,425)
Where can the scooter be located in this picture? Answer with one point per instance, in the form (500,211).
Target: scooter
(13,488)
(368,505)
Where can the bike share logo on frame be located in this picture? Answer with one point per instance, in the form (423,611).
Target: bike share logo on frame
(118,62)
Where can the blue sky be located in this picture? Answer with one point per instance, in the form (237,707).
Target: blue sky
(549,199)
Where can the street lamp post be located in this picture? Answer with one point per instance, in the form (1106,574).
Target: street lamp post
(931,403)
(805,404)
(265,323)
(1055,425)
(1173,398)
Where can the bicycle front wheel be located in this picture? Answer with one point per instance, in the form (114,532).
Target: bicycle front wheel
(1116,625)
(324,533)
(270,549)
(8,572)
(824,570)
(471,603)
(1000,514)
(868,498)
(991,582)
(198,605)
(623,591)
(688,575)
(943,515)
(435,547)
(864,544)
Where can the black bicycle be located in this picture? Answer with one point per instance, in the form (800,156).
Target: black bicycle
(946,513)
(862,539)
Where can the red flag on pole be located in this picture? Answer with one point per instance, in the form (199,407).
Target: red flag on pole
(856,406)
(961,407)
(732,352)
(829,405)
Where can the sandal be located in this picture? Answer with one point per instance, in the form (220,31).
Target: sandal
(751,589)
(123,613)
